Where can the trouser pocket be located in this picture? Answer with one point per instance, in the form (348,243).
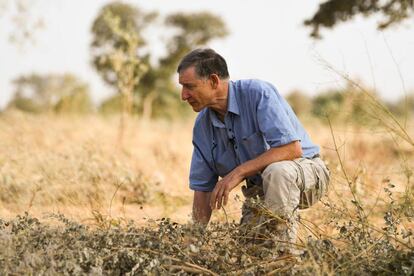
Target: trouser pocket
(313,181)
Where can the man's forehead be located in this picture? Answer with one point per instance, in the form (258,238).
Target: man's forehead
(187,75)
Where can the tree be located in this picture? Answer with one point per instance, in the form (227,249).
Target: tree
(116,27)
(332,12)
(49,93)
(190,30)
(116,51)
(153,86)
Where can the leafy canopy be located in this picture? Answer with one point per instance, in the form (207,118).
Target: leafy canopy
(52,92)
(332,12)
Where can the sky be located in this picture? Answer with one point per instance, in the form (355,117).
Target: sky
(267,41)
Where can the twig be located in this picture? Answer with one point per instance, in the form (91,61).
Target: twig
(113,196)
(33,196)
(281,269)
(401,79)
(360,209)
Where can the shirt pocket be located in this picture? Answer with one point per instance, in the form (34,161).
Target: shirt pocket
(226,162)
(254,144)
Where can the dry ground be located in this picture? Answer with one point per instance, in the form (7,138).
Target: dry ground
(78,167)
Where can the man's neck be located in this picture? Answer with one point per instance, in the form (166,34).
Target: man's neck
(221,101)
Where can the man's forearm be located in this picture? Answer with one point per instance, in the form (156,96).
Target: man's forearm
(287,152)
(201,207)
(223,187)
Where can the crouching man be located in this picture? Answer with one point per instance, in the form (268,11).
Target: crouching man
(245,131)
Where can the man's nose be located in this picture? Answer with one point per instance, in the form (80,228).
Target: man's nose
(184,94)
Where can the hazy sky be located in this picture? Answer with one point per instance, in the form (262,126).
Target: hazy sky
(267,41)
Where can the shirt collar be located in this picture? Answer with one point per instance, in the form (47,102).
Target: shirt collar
(214,120)
(232,105)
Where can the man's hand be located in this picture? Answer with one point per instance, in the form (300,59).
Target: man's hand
(220,194)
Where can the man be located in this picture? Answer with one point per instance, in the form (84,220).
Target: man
(246,131)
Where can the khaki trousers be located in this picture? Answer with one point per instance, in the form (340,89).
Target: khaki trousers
(287,186)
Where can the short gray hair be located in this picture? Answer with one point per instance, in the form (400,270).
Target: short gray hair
(205,62)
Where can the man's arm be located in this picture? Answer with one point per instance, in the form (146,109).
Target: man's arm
(220,194)
(201,207)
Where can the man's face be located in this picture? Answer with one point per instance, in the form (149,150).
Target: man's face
(196,91)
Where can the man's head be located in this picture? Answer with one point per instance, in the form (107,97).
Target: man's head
(205,62)
(203,74)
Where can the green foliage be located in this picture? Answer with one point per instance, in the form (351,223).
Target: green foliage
(331,12)
(300,102)
(404,106)
(111,105)
(24,104)
(47,93)
(78,102)
(347,105)
(170,106)
(328,104)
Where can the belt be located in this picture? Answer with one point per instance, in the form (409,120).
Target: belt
(316,156)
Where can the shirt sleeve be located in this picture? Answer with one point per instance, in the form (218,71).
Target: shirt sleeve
(273,119)
(202,177)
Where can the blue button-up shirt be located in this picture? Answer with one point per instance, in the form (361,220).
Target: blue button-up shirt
(257,118)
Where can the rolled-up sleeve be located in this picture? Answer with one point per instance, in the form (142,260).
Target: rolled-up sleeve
(202,177)
(273,120)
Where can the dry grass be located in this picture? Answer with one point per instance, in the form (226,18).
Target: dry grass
(75,166)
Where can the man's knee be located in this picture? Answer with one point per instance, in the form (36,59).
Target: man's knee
(279,174)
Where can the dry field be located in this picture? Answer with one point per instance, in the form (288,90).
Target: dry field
(77,167)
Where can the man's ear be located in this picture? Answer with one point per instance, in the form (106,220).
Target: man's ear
(214,81)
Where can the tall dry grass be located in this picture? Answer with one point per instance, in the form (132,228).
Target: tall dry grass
(73,165)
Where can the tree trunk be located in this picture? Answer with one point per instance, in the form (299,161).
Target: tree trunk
(147,106)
